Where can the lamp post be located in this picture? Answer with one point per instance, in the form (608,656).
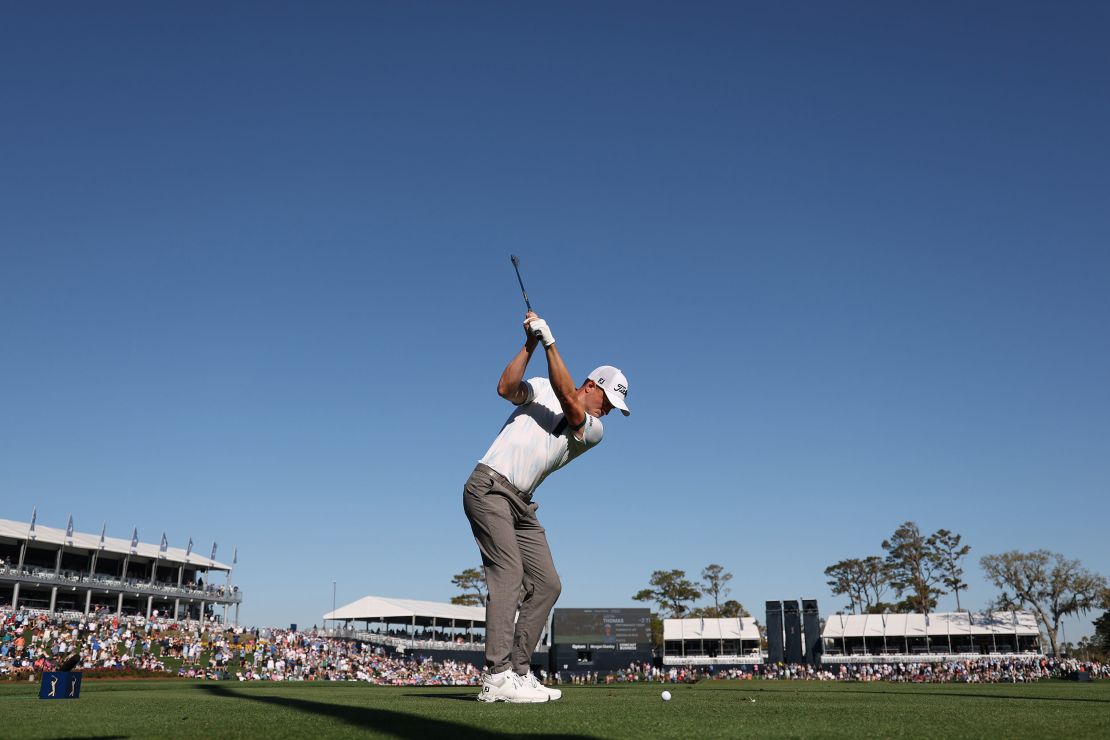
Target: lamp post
(333,601)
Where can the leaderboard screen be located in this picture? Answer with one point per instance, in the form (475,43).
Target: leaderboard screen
(619,629)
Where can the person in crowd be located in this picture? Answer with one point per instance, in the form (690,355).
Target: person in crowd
(31,642)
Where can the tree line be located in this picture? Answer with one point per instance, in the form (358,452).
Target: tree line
(914,570)
(917,569)
(675,593)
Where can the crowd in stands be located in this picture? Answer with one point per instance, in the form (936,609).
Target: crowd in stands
(309,656)
(1009,669)
(31,642)
(1004,669)
(440,636)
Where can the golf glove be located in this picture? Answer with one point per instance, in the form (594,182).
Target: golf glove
(542,331)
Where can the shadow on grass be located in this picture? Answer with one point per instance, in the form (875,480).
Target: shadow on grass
(469,696)
(398,724)
(963,694)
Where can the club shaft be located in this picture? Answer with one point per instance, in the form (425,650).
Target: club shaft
(516,266)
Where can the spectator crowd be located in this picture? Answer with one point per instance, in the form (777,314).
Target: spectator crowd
(1010,669)
(1007,669)
(31,642)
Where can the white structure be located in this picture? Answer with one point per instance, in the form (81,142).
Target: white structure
(410,623)
(50,569)
(876,638)
(706,641)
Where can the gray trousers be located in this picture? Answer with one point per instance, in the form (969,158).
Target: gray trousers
(518,568)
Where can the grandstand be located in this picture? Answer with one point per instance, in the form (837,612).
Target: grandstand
(428,628)
(409,623)
(705,641)
(859,638)
(879,638)
(60,570)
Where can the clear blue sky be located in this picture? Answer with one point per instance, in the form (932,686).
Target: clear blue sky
(854,259)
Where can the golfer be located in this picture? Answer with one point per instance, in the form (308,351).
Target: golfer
(554,422)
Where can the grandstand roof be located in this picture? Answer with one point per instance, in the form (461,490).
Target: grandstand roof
(380,608)
(702,628)
(86,541)
(940,623)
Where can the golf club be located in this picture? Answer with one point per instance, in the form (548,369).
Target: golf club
(516,266)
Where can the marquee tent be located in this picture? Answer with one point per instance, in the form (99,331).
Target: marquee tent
(407,611)
(739,628)
(953,632)
(702,640)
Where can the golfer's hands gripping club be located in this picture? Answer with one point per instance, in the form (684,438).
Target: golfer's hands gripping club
(538,328)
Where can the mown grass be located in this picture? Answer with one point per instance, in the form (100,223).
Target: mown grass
(186,709)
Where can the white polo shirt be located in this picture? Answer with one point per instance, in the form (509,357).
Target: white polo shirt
(536,440)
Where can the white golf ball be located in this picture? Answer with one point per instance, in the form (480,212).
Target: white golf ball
(666,696)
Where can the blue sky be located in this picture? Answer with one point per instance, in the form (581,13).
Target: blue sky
(853,259)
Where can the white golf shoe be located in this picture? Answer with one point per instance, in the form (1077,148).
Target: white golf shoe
(510,687)
(534,683)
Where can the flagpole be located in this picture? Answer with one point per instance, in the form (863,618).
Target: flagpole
(67,540)
(234,562)
(22,556)
(95,554)
(27,540)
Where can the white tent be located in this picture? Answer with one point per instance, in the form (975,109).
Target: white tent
(698,628)
(873,626)
(407,611)
(873,638)
(939,624)
(709,641)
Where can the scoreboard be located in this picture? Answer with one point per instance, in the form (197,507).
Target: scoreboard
(604,629)
(599,639)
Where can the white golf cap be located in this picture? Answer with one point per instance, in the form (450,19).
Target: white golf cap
(612,381)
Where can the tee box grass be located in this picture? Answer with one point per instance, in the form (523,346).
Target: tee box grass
(758,709)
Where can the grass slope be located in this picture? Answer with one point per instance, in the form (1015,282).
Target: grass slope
(182,709)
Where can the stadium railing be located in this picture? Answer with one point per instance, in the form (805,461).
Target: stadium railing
(68,577)
(394,641)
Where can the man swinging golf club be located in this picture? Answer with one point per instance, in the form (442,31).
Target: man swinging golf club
(554,422)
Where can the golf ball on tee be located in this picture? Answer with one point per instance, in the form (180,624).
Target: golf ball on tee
(666,696)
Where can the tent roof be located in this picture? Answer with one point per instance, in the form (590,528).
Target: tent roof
(939,623)
(378,608)
(86,541)
(702,628)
